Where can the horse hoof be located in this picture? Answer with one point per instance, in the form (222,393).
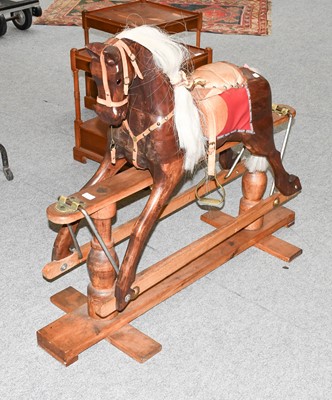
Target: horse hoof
(295,184)
(121,304)
(290,186)
(122,298)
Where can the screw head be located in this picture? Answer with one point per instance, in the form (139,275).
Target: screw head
(64,267)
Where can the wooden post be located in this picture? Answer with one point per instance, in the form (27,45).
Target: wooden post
(101,272)
(253,188)
(199,29)
(77,97)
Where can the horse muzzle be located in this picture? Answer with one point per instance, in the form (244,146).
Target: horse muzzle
(111,115)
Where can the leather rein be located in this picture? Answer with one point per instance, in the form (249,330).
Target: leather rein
(108,102)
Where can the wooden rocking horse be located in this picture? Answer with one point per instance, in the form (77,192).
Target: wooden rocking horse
(164,121)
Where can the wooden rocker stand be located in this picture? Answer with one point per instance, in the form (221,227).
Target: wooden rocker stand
(92,318)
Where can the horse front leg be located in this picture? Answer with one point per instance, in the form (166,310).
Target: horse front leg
(165,179)
(63,240)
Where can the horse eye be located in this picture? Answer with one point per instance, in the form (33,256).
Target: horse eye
(118,81)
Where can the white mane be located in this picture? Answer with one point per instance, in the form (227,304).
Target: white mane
(169,56)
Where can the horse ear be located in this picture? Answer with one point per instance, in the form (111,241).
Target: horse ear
(95,49)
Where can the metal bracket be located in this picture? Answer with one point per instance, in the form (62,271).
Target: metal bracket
(284,144)
(69,204)
(278,109)
(237,159)
(72,204)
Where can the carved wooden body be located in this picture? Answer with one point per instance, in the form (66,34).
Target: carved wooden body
(151,101)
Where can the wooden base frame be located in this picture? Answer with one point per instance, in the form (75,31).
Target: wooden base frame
(76,331)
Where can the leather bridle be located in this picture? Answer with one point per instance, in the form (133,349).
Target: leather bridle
(124,50)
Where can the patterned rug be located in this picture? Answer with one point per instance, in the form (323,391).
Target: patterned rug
(241,17)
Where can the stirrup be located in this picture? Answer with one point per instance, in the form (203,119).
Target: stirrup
(209,201)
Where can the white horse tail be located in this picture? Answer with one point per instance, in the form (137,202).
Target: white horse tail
(188,126)
(256,163)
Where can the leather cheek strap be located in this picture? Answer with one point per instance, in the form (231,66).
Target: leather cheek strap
(124,49)
(108,102)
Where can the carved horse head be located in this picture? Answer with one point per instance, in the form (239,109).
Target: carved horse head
(116,65)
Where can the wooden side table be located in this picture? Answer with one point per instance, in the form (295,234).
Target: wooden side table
(90,135)
(115,19)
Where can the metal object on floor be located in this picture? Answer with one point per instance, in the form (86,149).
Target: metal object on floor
(6,170)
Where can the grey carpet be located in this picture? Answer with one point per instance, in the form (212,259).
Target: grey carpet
(249,330)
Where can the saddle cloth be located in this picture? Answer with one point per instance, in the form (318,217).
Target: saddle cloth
(222,96)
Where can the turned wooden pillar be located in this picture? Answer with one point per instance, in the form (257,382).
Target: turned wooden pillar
(253,188)
(101,272)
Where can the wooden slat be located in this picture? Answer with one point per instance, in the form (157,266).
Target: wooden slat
(68,336)
(56,268)
(128,339)
(279,248)
(270,244)
(68,299)
(134,343)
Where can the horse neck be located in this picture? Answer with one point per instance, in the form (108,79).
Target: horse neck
(153,95)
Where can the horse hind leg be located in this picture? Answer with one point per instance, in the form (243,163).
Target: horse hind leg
(262,144)
(287,184)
